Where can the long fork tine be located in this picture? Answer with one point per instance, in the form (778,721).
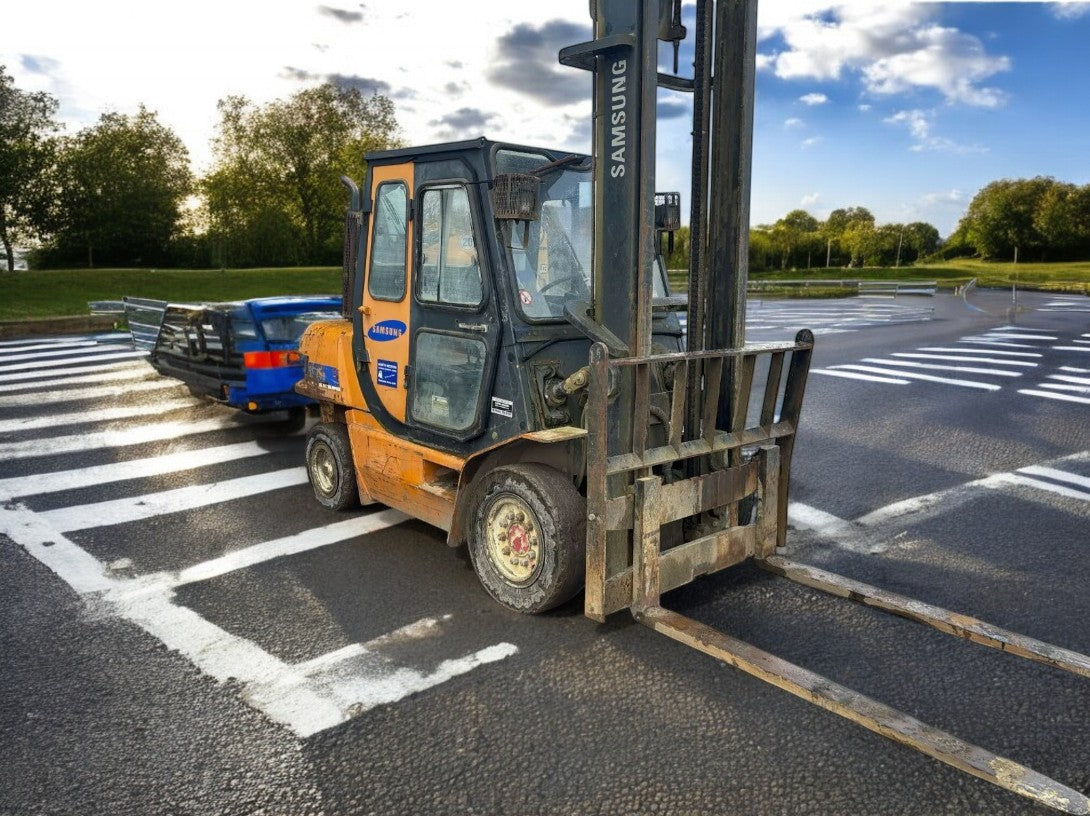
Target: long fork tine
(860,709)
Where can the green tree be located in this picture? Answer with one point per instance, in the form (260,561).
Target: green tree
(844,231)
(121,186)
(795,236)
(26,152)
(1000,221)
(1063,220)
(274,194)
(921,238)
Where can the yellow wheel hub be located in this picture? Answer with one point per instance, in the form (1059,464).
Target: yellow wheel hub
(324,469)
(514,541)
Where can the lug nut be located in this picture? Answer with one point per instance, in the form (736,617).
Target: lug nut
(506,551)
(501,535)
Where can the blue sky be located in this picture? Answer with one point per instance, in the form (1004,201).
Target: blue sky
(1006,98)
(907,109)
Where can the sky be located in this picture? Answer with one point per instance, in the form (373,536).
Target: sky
(907,109)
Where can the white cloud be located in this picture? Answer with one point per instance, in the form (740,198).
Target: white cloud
(948,197)
(1070,10)
(813,140)
(813,99)
(920,125)
(894,47)
(916,120)
(793,122)
(810,200)
(864,108)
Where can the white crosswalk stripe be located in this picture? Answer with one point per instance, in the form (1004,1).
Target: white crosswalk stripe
(178,461)
(914,376)
(109,372)
(1031,392)
(90,358)
(306,697)
(27,376)
(962,358)
(131,435)
(936,367)
(102,415)
(852,375)
(76,353)
(148,505)
(118,389)
(1005,353)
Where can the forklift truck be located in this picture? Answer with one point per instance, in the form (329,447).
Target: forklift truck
(510,368)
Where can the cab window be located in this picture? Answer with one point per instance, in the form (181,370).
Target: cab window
(387,277)
(449,270)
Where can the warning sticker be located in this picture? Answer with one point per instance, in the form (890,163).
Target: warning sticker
(525,297)
(387,373)
(503,407)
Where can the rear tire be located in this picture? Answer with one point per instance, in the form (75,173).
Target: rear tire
(330,469)
(528,537)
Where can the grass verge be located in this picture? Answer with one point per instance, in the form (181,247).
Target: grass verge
(63,292)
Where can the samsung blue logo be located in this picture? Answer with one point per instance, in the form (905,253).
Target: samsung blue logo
(386,330)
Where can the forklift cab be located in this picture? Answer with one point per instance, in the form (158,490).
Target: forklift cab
(456,272)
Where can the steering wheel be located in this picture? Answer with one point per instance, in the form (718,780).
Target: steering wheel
(572,278)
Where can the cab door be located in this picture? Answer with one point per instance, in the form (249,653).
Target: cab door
(386,298)
(455,321)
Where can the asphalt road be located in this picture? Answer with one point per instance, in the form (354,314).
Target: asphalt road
(185,631)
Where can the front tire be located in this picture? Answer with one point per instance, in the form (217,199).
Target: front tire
(528,539)
(330,469)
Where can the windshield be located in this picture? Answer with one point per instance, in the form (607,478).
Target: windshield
(551,256)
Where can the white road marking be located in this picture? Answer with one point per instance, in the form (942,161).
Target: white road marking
(124,371)
(1071,348)
(1070,379)
(1074,370)
(1053,395)
(77,394)
(1074,389)
(58,372)
(90,358)
(914,376)
(45,346)
(998,372)
(985,351)
(291,545)
(851,375)
(101,415)
(805,517)
(59,481)
(962,358)
(135,508)
(1059,475)
(92,349)
(61,340)
(1000,343)
(307,698)
(1009,335)
(132,435)
(947,497)
(1014,478)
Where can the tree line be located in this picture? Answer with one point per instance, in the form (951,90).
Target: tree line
(121,192)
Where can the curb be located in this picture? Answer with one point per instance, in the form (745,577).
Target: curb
(37,327)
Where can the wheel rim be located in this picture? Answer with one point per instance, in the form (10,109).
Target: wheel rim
(323,469)
(513,540)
